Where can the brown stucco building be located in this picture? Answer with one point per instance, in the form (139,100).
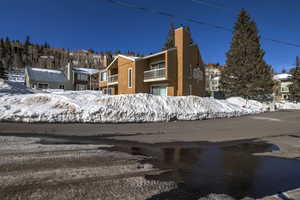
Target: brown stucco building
(174,72)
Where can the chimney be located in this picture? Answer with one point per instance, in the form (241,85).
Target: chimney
(182,42)
(69,72)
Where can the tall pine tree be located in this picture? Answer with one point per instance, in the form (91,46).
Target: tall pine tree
(2,71)
(295,86)
(297,61)
(170,42)
(246,73)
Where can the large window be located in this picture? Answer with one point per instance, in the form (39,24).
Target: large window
(159,90)
(157,65)
(129,78)
(82,77)
(284,89)
(103,76)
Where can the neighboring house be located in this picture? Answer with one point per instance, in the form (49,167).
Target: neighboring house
(39,78)
(16,76)
(282,83)
(83,78)
(212,77)
(174,72)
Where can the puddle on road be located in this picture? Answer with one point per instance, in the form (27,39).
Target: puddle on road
(223,169)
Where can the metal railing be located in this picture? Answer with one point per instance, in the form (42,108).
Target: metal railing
(112,79)
(154,74)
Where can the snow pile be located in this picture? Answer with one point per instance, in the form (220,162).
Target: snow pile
(288,106)
(13,88)
(4,85)
(92,107)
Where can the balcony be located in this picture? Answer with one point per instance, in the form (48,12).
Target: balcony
(155,75)
(112,79)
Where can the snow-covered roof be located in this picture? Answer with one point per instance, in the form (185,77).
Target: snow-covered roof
(129,57)
(217,78)
(85,70)
(46,75)
(282,76)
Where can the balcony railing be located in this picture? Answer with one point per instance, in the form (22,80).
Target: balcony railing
(112,79)
(155,75)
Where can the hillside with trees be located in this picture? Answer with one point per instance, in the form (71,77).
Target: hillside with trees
(16,55)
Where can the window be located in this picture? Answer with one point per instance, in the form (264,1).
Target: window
(284,89)
(159,90)
(103,76)
(157,65)
(82,77)
(42,86)
(61,87)
(129,78)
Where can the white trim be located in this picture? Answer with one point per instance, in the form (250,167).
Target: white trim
(159,53)
(129,57)
(129,71)
(123,56)
(156,79)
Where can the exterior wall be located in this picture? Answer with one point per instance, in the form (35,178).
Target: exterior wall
(185,73)
(189,64)
(197,75)
(171,63)
(123,66)
(140,86)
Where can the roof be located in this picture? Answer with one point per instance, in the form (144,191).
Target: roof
(46,75)
(282,76)
(217,78)
(86,70)
(132,58)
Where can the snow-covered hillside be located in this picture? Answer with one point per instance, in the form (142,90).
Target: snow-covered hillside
(92,107)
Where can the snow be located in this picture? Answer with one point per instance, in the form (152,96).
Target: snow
(217,78)
(288,106)
(92,107)
(13,88)
(46,70)
(46,75)
(86,70)
(282,76)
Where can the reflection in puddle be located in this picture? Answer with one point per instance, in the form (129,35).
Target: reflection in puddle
(231,170)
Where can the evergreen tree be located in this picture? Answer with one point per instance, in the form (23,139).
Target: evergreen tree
(283,71)
(246,73)
(297,61)
(295,86)
(187,28)
(170,42)
(2,71)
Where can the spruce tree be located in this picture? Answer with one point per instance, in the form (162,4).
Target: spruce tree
(297,61)
(170,42)
(2,71)
(295,86)
(246,73)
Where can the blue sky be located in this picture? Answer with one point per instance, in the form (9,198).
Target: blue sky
(97,24)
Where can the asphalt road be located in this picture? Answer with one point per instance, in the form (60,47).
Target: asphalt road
(247,127)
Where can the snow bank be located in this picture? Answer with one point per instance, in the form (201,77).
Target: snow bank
(288,106)
(92,107)
(4,85)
